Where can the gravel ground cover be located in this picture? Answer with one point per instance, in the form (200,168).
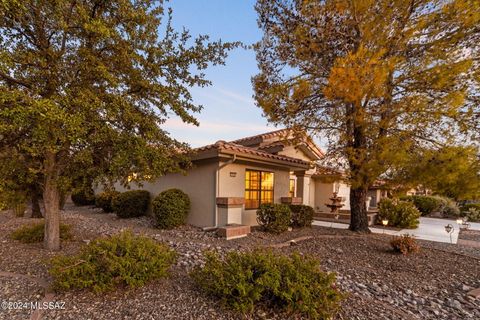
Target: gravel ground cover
(380,285)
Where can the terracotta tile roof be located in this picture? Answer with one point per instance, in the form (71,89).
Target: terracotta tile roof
(233,147)
(263,135)
(327,171)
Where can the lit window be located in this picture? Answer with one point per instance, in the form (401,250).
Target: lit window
(291,188)
(258,188)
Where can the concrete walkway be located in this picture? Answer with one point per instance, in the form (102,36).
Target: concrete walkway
(431,229)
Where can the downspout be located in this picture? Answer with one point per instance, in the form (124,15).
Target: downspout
(217,183)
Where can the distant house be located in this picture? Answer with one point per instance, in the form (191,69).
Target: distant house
(229,180)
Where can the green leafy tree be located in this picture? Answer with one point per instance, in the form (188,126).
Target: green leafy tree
(372,76)
(86,85)
(452,171)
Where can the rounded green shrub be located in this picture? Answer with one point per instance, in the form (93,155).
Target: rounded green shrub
(121,260)
(243,280)
(33,233)
(131,204)
(171,208)
(274,217)
(83,197)
(302,215)
(425,204)
(402,214)
(104,200)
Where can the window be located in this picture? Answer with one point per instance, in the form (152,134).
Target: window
(291,188)
(258,188)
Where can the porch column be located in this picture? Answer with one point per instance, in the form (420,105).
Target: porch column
(303,187)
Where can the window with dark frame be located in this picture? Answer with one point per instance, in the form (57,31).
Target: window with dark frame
(258,188)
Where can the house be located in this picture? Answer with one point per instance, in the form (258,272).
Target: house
(229,180)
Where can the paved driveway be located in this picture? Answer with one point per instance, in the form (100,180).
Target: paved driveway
(429,229)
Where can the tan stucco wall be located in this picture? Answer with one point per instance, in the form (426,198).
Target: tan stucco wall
(235,186)
(291,151)
(324,191)
(199,184)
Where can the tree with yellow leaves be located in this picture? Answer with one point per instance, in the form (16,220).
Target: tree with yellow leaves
(375,77)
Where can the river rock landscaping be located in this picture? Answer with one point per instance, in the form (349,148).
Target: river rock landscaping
(431,284)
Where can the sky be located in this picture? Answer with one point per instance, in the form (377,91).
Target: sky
(229,109)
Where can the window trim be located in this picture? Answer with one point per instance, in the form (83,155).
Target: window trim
(259,190)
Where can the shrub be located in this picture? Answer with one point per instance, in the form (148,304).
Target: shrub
(103,264)
(400,214)
(131,204)
(274,217)
(473,214)
(302,215)
(32,233)
(171,208)
(104,200)
(466,208)
(447,207)
(83,197)
(295,283)
(425,204)
(404,244)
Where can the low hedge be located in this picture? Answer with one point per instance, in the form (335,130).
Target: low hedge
(32,233)
(104,200)
(244,280)
(425,204)
(402,214)
(121,260)
(83,197)
(274,217)
(171,208)
(302,215)
(131,204)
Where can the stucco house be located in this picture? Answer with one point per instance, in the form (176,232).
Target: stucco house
(229,180)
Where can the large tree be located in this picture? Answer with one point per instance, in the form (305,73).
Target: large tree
(373,76)
(85,85)
(452,171)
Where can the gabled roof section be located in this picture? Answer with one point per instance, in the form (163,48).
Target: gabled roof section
(275,141)
(233,148)
(259,138)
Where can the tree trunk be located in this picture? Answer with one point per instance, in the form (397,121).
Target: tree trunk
(358,210)
(36,211)
(51,199)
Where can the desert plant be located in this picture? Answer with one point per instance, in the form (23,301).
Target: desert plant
(302,215)
(104,200)
(295,283)
(273,217)
(131,204)
(447,207)
(171,208)
(402,214)
(83,197)
(465,208)
(32,233)
(105,263)
(404,244)
(473,214)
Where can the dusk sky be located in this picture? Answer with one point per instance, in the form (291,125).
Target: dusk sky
(229,109)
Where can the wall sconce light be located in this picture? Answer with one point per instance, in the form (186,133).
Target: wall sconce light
(233,174)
